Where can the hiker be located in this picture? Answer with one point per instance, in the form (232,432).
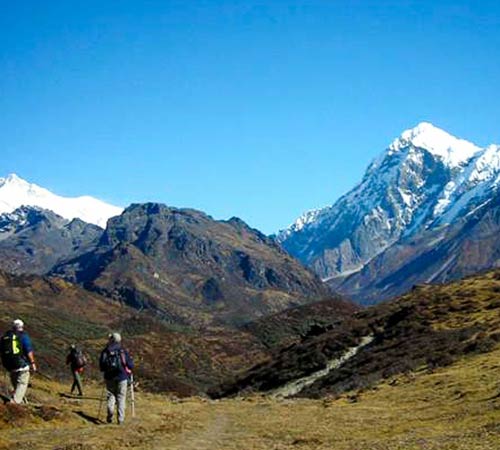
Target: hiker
(116,364)
(77,362)
(18,357)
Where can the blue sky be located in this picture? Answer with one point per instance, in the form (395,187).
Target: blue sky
(260,110)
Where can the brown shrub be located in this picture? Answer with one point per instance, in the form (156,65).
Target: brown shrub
(48,413)
(13,415)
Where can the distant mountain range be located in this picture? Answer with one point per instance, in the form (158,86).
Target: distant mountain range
(223,301)
(426,210)
(16,192)
(179,264)
(190,268)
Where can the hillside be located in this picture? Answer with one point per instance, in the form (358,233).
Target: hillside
(299,323)
(430,327)
(169,358)
(188,268)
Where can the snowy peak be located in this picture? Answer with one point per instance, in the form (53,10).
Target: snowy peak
(12,178)
(425,179)
(16,192)
(452,150)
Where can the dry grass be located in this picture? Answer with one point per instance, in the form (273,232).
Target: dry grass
(452,408)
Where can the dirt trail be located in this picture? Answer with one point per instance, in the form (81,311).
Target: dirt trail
(210,436)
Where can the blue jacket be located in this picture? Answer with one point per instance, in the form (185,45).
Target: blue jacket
(126,366)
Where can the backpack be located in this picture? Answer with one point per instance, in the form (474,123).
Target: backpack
(111,362)
(11,351)
(79,359)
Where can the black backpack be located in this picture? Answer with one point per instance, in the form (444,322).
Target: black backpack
(11,351)
(111,362)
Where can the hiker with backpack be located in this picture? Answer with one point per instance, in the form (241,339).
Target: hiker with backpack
(77,361)
(116,365)
(17,355)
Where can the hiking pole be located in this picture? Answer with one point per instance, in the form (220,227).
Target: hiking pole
(132,397)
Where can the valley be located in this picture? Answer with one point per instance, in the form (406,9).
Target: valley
(450,408)
(238,344)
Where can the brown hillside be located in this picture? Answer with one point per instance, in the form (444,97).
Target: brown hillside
(430,327)
(168,358)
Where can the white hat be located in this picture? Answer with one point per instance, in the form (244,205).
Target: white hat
(18,324)
(115,337)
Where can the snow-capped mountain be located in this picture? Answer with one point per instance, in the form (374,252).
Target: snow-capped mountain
(426,179)
(16,192)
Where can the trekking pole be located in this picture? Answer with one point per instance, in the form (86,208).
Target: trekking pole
(132,397)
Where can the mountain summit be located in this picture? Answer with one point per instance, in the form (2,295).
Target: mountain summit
(451,150)
(16,192)
(426,179)
(191,269)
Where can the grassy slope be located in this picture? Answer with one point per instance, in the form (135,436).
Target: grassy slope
(456,407)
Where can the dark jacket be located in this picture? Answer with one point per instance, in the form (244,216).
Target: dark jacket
(73,360)
(126,365)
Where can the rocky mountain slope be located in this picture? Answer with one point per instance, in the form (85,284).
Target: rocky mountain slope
(33,240)
(469,245)
(430,327)
(16,192)
(426,180)
(189,268)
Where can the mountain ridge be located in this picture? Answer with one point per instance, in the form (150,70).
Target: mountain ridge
(189,267)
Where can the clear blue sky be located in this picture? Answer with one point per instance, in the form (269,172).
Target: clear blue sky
(256,109)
